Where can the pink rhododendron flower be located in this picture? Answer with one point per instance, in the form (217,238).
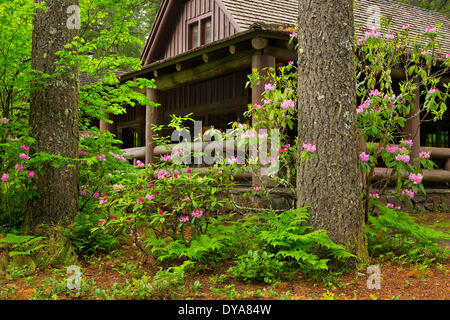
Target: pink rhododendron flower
(424,52)
(24,156)
(101,157)
(364,157)
(163,174)
(117,187)
(309,147)
(269,86)
(409,192)
(424,155)
(257,188)
(407,142)
(290,63)
(166,158)
(402,158)
(24,147)
(447,56)
(374,195)
(433,90)
(197,214)
(83,192)
(149,196)
(82,152)
(102,201)
(96,195)
(232,160)
(389,36)
(139,163)
(248,134)
(288,104)
(406,26)
(389,205)
(184,219)
(415,178)
(101,222)
(262,135)
(293,34)
(397,208)
(5,177)
(431,29)
(18,167)
(374,93)
(391,149)
(30,174)
(4,120)
(140,200)
(175,175)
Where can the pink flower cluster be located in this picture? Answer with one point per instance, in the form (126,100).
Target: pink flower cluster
(364,157)
(269,86)
(184,219)
(82,152)
(433,90)
(309,147)
(403,158)
(409,193)
(374,195)
(372,33)
(415,178)
(288,104)
(166,158)
(431,29)
(197,214)
(101,157)
(119,157)
(257,188)
(4,120)
(163,174)
(424,155)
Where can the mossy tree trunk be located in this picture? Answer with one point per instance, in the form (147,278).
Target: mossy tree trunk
(54,117)
(330,184)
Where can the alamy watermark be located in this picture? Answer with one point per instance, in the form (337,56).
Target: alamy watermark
(74,20)
(374,280)
(74,279)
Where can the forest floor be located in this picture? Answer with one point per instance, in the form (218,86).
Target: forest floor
(399,280)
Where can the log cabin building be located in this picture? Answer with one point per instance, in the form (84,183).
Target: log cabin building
(200,52)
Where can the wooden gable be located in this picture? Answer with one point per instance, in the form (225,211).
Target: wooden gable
(172,31)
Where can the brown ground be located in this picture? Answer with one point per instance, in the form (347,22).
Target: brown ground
(398,281)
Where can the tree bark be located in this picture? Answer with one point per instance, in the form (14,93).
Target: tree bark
(330,184)
(54,117)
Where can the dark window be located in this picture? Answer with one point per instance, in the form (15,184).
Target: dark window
(200,32)
(193,35)
(206,31)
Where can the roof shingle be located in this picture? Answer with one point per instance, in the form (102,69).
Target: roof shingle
(285,12)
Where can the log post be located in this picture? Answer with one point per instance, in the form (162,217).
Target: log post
(151,117)
(111,127)
(259,62)
(412,126)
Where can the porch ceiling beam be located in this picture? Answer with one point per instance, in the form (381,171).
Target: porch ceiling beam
(281,54)
(206,71)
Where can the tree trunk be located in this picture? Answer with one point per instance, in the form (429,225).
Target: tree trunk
(330,184)
(54,117)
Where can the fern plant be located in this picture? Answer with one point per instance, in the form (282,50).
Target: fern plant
(291,238)
(393,232)
(22,245)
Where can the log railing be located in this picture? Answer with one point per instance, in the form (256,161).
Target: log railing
(438,175)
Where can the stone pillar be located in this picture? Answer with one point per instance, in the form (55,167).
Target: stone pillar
(412,127)
(151,117)
(259,62)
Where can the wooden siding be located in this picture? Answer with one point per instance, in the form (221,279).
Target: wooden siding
(191,11)
(220,96)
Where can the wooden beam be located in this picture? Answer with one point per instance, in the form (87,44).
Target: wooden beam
(151,118)
(135,153)
(431,176)
(281,54)
(205,71)
(259,43)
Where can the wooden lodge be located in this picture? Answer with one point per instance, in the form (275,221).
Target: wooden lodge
(200,52)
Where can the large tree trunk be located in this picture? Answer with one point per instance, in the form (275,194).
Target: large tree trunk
(54,117)
(330,184)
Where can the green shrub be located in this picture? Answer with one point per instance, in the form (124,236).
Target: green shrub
(257,266)
(393,233)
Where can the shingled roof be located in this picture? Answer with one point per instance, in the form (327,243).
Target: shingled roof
(285,12)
